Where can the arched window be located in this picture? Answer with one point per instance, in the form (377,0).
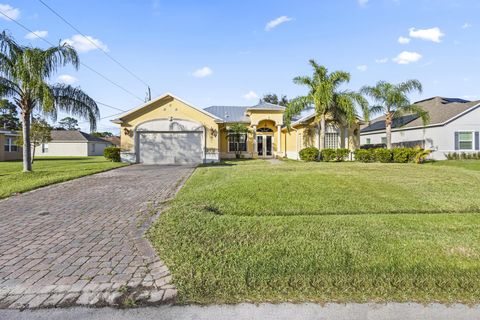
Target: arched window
(264,130)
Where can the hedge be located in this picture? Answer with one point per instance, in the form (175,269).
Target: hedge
(397,155)
(463,156)
(309,154)
(334,154)
(112,154)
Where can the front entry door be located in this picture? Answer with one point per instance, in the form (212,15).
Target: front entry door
(264,146)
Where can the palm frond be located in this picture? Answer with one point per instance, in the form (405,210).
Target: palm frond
(410,85)
(8,88)
(295,107)
(417,110)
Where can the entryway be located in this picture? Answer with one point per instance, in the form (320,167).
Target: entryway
(264,146)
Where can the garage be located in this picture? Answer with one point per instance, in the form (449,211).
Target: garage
(171,147)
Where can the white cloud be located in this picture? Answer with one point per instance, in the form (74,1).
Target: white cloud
(362,2)
(381,60)
(432,34)
(466,25)
(202,72)
(250,95)
(10,11)
(407,57)
(36,35)
(85,44)
(362,67)
(67,79)
(403,40)
(276,22)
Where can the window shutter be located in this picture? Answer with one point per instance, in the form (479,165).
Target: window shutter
(456,141)
(477,142)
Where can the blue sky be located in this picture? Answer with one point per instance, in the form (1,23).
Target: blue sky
(232,52)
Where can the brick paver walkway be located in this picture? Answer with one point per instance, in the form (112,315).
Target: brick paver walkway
(81,242)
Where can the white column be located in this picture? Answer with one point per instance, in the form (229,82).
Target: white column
(279,132)
(254,151)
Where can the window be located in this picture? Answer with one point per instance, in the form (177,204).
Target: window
(465,140)
(384,140)
(369,141)
(10,145)
(331,140)
(237,143)
(264,130)
(44,147)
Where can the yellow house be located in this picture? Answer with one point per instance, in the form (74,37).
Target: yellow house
(9,148)
(168,130)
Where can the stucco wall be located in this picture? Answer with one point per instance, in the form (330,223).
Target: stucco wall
(441,139)
(8,156)
(68,149)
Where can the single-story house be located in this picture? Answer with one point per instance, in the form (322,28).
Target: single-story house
(10,150)
(114,140)
(72,143)
(168,130)
(453,127)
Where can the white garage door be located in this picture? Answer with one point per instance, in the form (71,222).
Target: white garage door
(171,147)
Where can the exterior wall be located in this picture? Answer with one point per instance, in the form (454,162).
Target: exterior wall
(256,116)
(67,149)
(440,139)
(165,109)
(8,156)
(98,149)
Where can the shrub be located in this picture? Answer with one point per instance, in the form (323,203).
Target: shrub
(420,155)
(382,155)
(403,155)
(309,154)
(112,154)
(341,154)
(328,154)
(364,155)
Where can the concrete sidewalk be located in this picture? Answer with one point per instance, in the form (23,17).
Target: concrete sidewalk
(370,311)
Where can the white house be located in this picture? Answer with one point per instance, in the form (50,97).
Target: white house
(453,127)
(73,143)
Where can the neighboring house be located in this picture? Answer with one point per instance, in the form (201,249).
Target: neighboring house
(9,150)
(168,130)
(72,143)
(114,140)
(453,127)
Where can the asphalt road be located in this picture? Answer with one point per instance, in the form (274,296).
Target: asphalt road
(396,311)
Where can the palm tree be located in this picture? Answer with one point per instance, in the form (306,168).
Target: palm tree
(327,98)
(392,101)
(24,75)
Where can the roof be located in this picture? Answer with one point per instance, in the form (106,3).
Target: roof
(113,139)
(229,113)
(10,133)
(118,120)
(441,110)
(74,136)
(267,106)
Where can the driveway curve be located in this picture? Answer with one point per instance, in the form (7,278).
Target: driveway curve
(81,242)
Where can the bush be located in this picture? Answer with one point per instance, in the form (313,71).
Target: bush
(328,154)
(112,154)
(403,155)
(309,154)
(364,155)
(341,154)
(382,155)
(462,156)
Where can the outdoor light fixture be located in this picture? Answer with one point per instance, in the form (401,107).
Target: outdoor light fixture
(213,132)
(126,131)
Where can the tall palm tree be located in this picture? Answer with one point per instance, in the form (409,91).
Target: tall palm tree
(24,75)
(392,100)
(327,98)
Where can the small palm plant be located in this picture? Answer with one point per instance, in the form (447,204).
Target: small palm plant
(237,134)
(393,102)
(24,77)
(328,99)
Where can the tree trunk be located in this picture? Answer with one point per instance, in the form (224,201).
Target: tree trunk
(27,156)
(388,130)
(33,152)
(322,132)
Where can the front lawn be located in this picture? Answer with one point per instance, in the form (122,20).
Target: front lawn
(48,170)
(254,231)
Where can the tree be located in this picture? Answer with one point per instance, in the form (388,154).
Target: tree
(68,123)
(24,75)
(103,134)
(235,133)
(392,101)
(273,98)
(9,116)
(327,99)
(40,132)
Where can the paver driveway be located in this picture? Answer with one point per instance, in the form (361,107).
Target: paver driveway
(81,242)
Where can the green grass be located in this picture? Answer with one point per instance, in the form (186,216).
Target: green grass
(323,232)
(465,164)
(48,170)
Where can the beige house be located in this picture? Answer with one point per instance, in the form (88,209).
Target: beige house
(9,150)
(72,143)
(168,130)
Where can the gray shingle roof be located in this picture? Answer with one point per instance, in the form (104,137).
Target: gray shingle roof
(439,109)
(229,113)
(74,136)
(267,106)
